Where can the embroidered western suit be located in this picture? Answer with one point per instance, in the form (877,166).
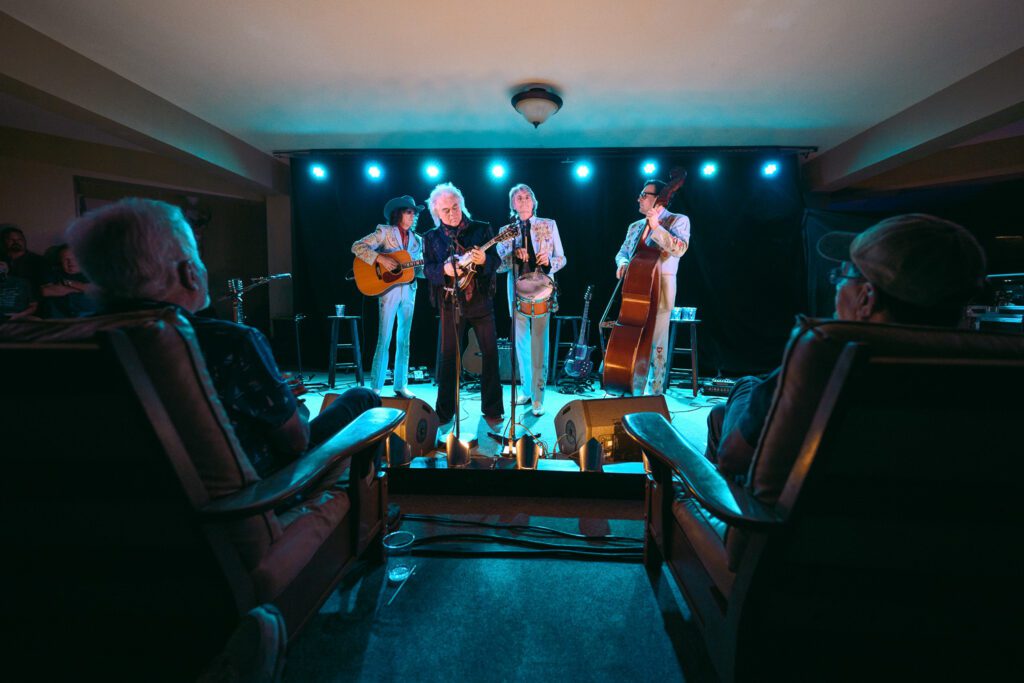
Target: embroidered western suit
(672,237)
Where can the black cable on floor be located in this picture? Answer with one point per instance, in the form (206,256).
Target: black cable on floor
(564,554)
(523,527)
(526,543)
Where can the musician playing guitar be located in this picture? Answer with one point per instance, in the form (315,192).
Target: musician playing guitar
(670,233)
(400,300)
(470,299)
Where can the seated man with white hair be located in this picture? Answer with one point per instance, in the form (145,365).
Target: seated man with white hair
(142,254)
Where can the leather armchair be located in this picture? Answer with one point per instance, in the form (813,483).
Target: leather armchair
(873,533)
(137,529)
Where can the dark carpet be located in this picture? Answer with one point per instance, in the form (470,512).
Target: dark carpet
(495,618)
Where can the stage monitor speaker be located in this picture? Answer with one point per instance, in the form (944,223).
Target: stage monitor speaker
(419,428)
(601,418)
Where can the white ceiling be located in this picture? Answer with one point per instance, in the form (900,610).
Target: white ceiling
(336,74)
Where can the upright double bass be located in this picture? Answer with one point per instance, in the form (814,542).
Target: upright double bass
(628,354)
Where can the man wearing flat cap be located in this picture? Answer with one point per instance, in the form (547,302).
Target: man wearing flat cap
(913,269)
(401,214)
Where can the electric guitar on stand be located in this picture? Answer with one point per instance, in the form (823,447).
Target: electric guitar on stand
(372,279)
(578,364)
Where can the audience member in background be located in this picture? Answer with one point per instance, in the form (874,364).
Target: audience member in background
(913,269)
(16,299)
(21,262)
(64,294)
(142,254)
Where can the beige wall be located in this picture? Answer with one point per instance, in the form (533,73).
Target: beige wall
(38,198)
(37,192)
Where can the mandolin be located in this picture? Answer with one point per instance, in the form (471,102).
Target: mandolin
(464,266)
(628,355)
(373,279)
(578,363)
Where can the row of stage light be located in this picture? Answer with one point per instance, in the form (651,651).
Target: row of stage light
(582,171)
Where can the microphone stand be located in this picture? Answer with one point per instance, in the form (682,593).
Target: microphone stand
(457,312)
(510,440)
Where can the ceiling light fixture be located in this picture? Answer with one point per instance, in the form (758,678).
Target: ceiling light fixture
(536,104)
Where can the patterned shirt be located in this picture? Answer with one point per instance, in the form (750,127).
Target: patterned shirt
(248,382)
(387,239)
(672,237)
(257,399)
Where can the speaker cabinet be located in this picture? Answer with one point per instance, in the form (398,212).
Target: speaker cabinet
(419,428)
(420,425)
(472,358)
(580,420)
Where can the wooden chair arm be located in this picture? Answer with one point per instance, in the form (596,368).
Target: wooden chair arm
(724,499)
(353,441)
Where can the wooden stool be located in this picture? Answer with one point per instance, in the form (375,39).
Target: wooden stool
(673,350)
(357,356)
(576,321)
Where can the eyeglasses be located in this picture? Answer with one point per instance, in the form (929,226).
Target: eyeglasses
(836,277)
(645,194)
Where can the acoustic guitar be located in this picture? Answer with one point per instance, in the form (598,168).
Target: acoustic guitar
(578,363)
(372,279)
(628,355)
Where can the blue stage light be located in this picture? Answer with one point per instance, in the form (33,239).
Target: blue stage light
(582,171)
(374,171)
(318,171)
(432,170)
(770,169)
(498,171)
(709,169)
(649,168)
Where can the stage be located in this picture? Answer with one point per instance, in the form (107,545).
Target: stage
(688,415)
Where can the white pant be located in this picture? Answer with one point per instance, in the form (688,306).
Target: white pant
(660,353)
(398,301)
(532,350)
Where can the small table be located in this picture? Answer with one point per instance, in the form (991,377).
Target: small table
(673,350)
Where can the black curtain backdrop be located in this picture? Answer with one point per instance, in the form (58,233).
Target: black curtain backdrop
(991,210)
(745,269)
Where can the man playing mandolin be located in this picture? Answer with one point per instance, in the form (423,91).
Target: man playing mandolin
(669,232)
(396,236)
(466,298)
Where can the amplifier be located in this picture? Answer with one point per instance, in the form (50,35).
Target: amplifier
(720,386)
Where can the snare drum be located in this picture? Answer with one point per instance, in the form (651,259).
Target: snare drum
(533,294)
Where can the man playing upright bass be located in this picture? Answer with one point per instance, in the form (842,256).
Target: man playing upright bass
(670,233)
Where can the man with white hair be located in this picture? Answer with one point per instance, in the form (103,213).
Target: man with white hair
(538,248)
(142,254)
(457,237)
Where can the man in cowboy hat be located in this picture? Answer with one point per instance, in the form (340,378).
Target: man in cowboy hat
(396,235)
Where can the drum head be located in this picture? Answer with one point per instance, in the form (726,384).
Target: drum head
(535,286)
